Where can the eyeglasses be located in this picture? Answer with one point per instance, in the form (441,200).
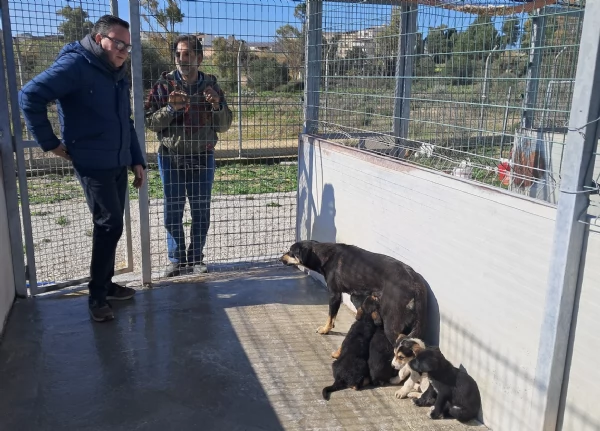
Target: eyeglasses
(121,46)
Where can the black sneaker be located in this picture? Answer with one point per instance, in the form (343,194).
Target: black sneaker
(101,311)
(175,269)
(119,293)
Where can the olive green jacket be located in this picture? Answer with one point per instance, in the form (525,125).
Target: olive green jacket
(192,130)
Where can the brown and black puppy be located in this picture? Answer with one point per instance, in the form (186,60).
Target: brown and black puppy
(457,393)
(351,369)
(405,350)
(353,270)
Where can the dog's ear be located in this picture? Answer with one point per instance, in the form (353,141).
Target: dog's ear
(359,313)
(416,348)
(376,318)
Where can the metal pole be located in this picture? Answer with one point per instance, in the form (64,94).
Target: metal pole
(569,233)
(8,148)
(239,78)
(314,13)
(484,90)
(114,7)
(538,24)
(138,115)
(505,120)
(404,72)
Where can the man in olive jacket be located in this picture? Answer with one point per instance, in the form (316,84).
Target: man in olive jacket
(186,108)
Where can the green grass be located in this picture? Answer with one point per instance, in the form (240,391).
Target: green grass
(234,179)
(62,221)
(238,179)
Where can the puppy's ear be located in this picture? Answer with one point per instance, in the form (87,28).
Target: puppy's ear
(400,338)
(416,348)
(376,318)
(359,313)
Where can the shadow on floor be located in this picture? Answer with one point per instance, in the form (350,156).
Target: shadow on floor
(229,354)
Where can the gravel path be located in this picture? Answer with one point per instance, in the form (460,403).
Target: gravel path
(244,228)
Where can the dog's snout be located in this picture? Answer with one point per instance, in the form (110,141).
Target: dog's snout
(289,260)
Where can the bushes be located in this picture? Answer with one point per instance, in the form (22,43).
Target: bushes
(154,62)
(265,74)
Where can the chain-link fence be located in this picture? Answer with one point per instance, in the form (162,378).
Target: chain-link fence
(478,91)
(253,59)
(59,234)
(252,53)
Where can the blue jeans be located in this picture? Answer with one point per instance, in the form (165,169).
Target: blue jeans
(194,176)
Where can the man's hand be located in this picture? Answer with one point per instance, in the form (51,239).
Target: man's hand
(212,97)
(178,100)
(61,151)
(140,176)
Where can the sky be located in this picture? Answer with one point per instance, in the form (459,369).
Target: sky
(251,20)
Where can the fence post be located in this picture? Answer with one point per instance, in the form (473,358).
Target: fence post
(404,72)
(569,233)
(114,7)
(138,115)
(538,24)
(314,16)
(239,85)
(13,144)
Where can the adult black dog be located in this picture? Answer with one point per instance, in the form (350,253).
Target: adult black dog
(350,269)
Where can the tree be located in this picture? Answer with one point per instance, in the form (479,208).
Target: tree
(478,40)
(76,24)
(165,17)
(440,43)
(265,74)
(511,32)
(225,55)
(289,40)
(386,44)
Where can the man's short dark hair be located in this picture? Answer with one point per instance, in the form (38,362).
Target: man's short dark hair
(192,41)
(106,22)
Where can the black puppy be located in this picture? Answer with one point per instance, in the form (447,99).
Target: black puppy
(457,393)
(353,270)
(351,369)
(381,351)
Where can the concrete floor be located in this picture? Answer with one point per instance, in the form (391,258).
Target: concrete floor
(225,354)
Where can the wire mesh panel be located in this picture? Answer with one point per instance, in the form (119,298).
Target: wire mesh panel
(234,124)
(479,91)
(61,224)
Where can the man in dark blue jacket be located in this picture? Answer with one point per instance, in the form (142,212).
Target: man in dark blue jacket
(88,82)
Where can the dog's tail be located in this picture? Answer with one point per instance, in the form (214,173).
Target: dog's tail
(337,386)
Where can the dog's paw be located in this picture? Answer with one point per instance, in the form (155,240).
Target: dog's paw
(395,380)
(324,329)
(414,395)
(433,414)
(418,402)
(401,393)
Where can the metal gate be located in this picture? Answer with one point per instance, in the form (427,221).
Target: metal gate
(256,50)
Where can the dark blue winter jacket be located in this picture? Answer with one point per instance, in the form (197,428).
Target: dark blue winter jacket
(93,107)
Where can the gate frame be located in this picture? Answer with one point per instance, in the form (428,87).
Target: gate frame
(27,272)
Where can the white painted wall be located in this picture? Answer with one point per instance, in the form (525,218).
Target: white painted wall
(485,254)
(7,281)
(581,412)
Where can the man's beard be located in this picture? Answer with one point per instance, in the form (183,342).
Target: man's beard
(187,70)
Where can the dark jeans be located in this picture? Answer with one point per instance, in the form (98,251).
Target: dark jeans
(194,176)
(105,192)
